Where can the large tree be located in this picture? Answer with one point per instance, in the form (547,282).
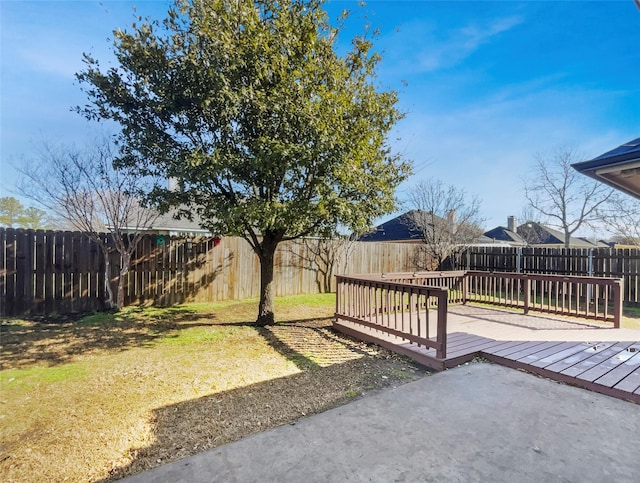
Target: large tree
(448,219)
(269,132)
(82,188)
(563,197)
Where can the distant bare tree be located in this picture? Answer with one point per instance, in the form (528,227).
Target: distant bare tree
(622,217)
(327,257)
(562,196)
(81,187)
(448,218)
(529,214)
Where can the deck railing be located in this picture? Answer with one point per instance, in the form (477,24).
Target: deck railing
(401,304)
(395,308)
(596,298)
(451,280)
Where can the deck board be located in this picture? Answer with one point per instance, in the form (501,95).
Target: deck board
(604,367)
(574,360)
(551,349)
(621,371)
(595,359)
(519,349)
(480,347)
(630,383)
(585,356)
(562,354)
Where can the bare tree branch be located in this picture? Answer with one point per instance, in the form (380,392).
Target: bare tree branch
(622,217)
(82,187)
(564,198)
(448,219)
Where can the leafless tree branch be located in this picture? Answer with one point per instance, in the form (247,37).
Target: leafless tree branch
(81,186)
(448,218)
(622,217)
(565,198)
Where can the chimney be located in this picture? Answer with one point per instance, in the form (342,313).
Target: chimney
(512,224)
(451,217)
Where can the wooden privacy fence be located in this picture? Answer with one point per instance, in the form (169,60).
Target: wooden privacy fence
(597,262)
(44,272)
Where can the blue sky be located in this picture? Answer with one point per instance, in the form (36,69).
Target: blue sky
(488,84)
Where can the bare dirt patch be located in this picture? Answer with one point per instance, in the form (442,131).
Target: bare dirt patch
(107,396)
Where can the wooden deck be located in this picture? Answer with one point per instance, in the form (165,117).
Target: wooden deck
(586,355)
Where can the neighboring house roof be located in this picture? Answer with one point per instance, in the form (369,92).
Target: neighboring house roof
(400,228)
(166,224)
(503,234)
(536,234)
(619,168)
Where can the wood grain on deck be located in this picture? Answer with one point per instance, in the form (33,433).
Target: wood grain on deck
(592,356)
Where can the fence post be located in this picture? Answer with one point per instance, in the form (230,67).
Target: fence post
(518,259)
(527,293)
(618,286)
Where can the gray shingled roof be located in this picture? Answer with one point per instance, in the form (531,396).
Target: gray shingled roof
(400,228)
(168,222)
(502,233)
(538,234)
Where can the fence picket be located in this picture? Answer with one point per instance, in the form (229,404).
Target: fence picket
(607,262)
(63,271)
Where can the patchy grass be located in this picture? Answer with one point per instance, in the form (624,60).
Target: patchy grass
(631,317)
(108,395)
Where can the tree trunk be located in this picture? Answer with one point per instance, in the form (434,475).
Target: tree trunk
(125,261)
(107,276)
(266,254)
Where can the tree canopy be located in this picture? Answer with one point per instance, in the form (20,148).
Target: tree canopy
(269,133)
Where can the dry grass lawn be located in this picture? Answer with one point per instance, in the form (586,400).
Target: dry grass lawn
(109,395)
(631,318)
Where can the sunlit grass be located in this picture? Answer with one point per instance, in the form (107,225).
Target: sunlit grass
(114,393)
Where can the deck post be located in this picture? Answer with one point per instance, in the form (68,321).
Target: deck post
(465,287)
(527,293)
(338,298)
(618,286)
(441,352)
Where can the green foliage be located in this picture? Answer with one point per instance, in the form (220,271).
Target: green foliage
(250,108)
(14,215)
(10,211)
(270,134)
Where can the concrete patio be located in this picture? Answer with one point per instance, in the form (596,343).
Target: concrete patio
(478,422)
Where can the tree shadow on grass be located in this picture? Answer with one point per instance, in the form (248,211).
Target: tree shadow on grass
(56,340)
(193,426)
